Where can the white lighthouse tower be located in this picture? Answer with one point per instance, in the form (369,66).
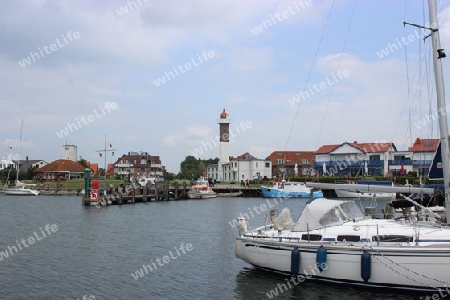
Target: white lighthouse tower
(224,129)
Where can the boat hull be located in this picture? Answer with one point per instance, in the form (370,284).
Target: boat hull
(344,264)
(20,192)
(352,194)
(196,195)
(279,193)
(237,194)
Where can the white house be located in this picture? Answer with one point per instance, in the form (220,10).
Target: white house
(353,159)
(243,167)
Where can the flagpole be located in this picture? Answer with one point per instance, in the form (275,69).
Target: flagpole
(104,151)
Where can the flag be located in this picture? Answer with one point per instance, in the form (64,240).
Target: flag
(436,171)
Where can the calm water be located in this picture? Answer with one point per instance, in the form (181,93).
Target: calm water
(95,251)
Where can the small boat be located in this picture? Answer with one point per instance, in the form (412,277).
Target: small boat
(285,189)
(201,190)
(20,188)
(230,194)
(345,193)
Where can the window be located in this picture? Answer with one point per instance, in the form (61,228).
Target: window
(305,161)
(349,238)
(392,238)
(256,164)
(311,237)
(280,161)
(267,165)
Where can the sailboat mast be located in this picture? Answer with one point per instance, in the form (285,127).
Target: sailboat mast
(438,53)
(18,162)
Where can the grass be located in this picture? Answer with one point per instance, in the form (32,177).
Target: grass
(79,183)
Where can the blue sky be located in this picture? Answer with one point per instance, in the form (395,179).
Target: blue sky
(118,56)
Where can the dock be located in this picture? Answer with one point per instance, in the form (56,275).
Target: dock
(159,192)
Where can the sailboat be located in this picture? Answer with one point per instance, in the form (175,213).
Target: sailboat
(20,188)
(334,241)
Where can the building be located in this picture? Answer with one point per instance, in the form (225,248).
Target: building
(354,159)
(421,155)
(136,164)
(285,163)
(242,167)
(94,168)
(28,164)
(224,138)
(7,164)
(70,152)
(59,170)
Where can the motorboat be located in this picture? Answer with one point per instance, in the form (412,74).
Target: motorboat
(287,189)
(201,190)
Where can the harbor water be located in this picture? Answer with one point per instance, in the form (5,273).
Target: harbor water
(52,247)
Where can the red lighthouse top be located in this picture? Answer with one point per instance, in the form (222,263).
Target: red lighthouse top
(223,114)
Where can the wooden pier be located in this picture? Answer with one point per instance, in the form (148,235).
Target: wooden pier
(159,192)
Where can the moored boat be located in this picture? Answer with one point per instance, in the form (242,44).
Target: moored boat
(230,194)
(333,241)
(346,193)
(201,190)
(21,189)
(285,189)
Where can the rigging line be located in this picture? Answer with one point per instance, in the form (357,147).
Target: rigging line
(316,54)
(338,67)
(408,90)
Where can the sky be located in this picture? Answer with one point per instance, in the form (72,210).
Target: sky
(154,75)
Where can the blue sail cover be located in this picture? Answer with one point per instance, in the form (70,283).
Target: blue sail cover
(436,172)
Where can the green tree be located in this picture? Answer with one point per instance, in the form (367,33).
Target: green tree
(83,162)
(192,168)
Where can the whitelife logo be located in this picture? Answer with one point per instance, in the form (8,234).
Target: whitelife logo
(48,50)
(187,66)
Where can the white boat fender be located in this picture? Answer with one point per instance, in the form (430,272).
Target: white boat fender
(242,225)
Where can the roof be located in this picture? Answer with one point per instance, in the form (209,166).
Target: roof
(94,168)
(245,156)
(62,165)
(365,147)
(134,156)
(26,164)
(326,149)
(291,157)
(424,145)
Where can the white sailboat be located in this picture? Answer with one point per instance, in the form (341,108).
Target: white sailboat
(333,241)
(20,188)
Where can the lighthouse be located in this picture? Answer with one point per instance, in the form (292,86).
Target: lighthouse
(224,129)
